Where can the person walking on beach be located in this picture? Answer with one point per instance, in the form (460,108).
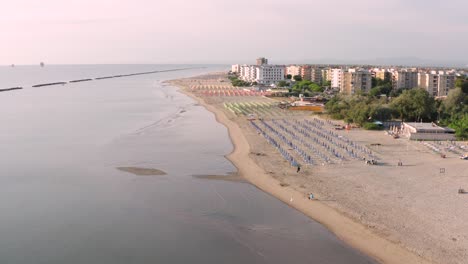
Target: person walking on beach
(298,168)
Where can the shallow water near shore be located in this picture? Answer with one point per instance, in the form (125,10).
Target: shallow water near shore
(64,201)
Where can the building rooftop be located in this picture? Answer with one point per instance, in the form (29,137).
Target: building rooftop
(429,127)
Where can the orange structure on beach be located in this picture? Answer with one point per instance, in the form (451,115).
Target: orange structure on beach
(314,108)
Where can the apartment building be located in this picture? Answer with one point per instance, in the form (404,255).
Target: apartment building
(293,70)
(405,79)
(248,73)
(335,77)
(355,80)
(316,75)
(235,68)
(305,72)
(383,74)
(326,74)
(436,83)
(269,74)
(446,83)
(261,61)
(264,74)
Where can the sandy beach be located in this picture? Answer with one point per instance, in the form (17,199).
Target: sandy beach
(396,214)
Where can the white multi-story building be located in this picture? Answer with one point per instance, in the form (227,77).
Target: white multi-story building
(335,77)
(293,70)
(263,74)
(248,73)
(235,68)
(269,74)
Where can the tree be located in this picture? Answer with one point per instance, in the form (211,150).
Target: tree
(301,86)
(454,103)
(382,89)
(461,127)
(326,83)
(395,93)
(462,83)
(289,76)
(381,112)
(337,107)
(238,83)
(379,82)
(297,78)
(360,113)
(305,86)
(315,87)
(464,87)
(414,105)
(375,92)
(283,84)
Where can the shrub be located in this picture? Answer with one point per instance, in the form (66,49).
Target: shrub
(372,126)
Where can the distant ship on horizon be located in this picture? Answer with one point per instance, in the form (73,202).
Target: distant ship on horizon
(42,64)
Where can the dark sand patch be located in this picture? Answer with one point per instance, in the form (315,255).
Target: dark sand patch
(142,171)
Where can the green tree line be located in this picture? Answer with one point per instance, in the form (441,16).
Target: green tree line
(413,105)
(238,82)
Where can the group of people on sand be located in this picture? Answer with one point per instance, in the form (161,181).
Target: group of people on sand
(370,162)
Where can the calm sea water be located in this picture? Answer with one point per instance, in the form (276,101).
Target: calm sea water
(63,201)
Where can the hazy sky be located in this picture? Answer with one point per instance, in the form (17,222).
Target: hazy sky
(219,31)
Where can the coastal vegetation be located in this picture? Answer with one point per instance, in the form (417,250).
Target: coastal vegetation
(305,87)
(413,105)
(236,82)
(297,78)
(283,84)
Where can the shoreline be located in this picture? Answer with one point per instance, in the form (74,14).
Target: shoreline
(353,233)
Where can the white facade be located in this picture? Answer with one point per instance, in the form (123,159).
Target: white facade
(235,68)
(248,73)
(427,131)
(428,81)
(264,74)
(293,70)
(335,77)
(269,74)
